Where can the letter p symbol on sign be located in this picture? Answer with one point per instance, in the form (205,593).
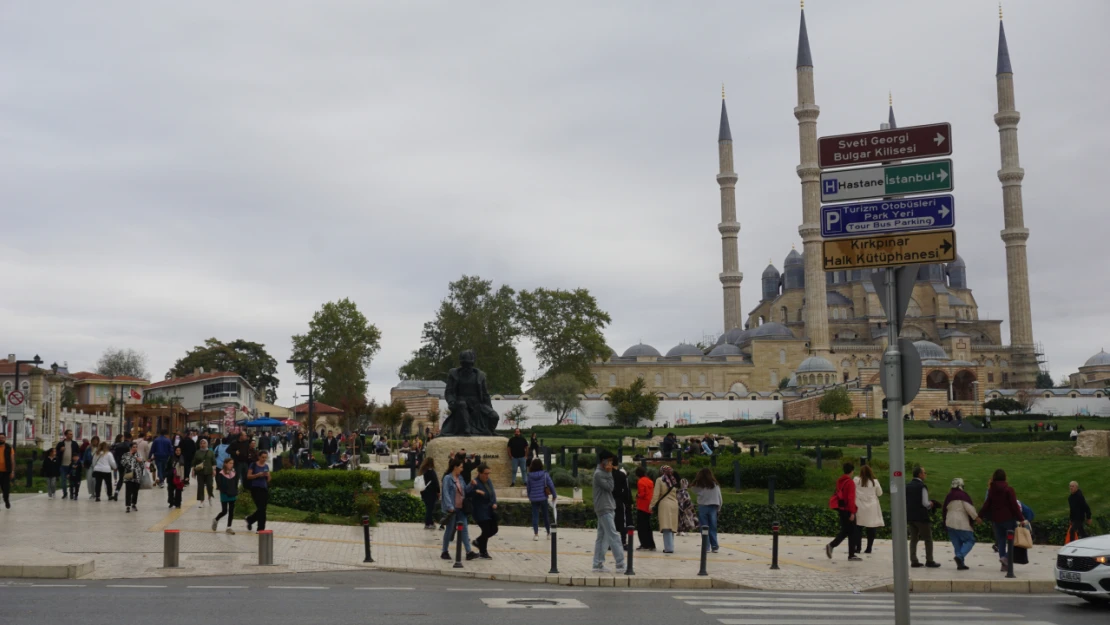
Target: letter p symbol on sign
(833,221)
(831,186)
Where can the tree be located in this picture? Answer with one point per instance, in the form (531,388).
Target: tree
(1044,380)
(783,383)
(1065,382)
(631,405)
(1026,397)
(559,394)
(836,401)
(120,362)
(1004,405)
(390,416)
(473,316)
(515,415)
(565,327)
(248,359)
(342,343)
(69,398)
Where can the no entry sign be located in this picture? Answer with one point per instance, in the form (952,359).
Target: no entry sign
(15,398)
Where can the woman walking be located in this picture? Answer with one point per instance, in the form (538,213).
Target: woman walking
(175,478)
(540,486)
(644,489)
(132,467)
(869,514)
(687,519)
(958,514)
(1002,510)
(204,468)
(258,478)
(709,503)
(103,464)
(430,494)
(51,469)
(87,454)
(228,484)
(454,502)
(485,509)
(665,502)
(533,448)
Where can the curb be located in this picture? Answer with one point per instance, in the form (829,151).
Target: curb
(616,581)
(974,586)
(47,571)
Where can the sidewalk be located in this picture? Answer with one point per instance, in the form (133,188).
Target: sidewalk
(69,535)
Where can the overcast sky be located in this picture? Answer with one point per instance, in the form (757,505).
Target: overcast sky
(171,172)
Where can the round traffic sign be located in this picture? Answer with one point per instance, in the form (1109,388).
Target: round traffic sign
(15,398)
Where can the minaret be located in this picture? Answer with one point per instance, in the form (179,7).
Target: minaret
(1024,358)
(817,316)
(729,227)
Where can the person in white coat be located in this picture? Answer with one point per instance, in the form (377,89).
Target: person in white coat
(102,465)
(869,514)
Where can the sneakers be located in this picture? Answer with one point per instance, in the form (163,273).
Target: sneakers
(472,556)
(855,558)
(229,531)
(444,556)
(535,536)
(601,569)
(250,525)
(828,551)
(715,550)
(201,505)
(932,565)
(214,521)
(1004,562)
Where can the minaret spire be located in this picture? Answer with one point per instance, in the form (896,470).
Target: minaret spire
(1014,234)
(890,114)
(816,304)
(729,227)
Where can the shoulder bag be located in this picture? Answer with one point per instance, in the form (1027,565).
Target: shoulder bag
(1023,538)
(419,484)
(655,508)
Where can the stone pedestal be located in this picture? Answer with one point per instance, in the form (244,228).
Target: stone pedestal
(1093,444)
(493,450)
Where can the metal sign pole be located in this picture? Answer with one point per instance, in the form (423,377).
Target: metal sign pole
(892,371)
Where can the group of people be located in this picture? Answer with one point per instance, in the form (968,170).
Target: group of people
(694,445)
(1041,426)
(944,414)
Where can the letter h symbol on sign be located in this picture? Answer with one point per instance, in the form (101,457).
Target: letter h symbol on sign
(831,186)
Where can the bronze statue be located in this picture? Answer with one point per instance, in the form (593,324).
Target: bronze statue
(468,399)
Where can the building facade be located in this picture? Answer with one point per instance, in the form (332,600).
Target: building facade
(205,391)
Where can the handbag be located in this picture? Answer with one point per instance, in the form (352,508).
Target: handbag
(655,508)
(419,484)
(1023,538)
(130,475)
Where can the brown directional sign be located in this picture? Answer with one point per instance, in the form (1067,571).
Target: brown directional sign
(885,145)
(890,250)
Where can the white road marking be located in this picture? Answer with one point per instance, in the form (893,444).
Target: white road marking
(473,589)
(855,606)
(778,600)
(383,588)
(131,586)
(218,587)
(298,587)
(57,585)
(885,621)
(824,614)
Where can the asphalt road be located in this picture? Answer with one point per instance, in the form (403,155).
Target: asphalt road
(396,599)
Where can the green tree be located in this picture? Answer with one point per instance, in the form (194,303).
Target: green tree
(1044,380)
(632,405)
(120,362)
(559,394)
(836,402)
(391,416)
(342,343)
(1004,405)
(69,398)
(473,316)
(248,359)
(565,327)
(783,383)
(515,415)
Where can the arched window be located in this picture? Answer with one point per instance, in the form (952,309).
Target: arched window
(612,379)
(658,380)
(784,313)
(1004,364)
(685,380)
(836,313)
(845,364)
(782,356)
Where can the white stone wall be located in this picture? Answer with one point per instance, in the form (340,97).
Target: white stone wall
(595,412)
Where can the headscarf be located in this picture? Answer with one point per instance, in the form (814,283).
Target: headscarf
(668,476)
(956,494)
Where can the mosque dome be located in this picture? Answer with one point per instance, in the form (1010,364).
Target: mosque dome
(793,382)
(726,349)
(640,350)
(771,272)
(793,258)
(772,329)
(958,263)
(816,364)
(930,351)
(1100,359)
(685,349)
(735,336)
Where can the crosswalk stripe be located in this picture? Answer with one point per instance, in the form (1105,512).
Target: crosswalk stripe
(807,597)
(730,601)
(825,615)
(849,606)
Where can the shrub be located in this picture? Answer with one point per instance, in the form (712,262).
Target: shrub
(827,453)
(324,478)
(329,500)
(587,460)
(399,507)
(789,471)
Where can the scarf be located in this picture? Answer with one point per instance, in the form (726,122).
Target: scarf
(955,494)
(230,476)
(669,478)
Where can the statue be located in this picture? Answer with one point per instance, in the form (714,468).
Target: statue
(472,412)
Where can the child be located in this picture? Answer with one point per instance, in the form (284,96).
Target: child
(228,485)
(75,477)
(51,469)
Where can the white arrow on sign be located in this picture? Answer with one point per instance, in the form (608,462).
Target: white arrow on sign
(939,139)
(943,175)
(944,211)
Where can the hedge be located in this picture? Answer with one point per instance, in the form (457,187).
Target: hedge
(324,478)
(789,471)
(827,453)
(330,500)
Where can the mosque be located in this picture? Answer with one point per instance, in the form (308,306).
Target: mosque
(787,349)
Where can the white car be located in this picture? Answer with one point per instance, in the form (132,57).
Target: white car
(1083,569)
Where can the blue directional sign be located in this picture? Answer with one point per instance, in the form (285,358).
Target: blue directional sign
(932,212)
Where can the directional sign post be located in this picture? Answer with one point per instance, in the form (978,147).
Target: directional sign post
(890,250)
(885,145)
(858,184)
(886,216)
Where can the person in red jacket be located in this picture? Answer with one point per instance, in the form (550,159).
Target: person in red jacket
(844,502)
(1002,510)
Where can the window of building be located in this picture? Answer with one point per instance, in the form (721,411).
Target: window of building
(1004,364)
(685,381)
(658,380)
(596,382)
(782,356)
(701,379)
(1005,377)
(990,377)
(221,389)
(774,378)
(612,379)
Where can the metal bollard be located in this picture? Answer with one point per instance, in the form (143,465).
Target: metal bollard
(1010,551)
(366,538)
(752,451)
(266,548)
(736,475)
(868,453)
(629,570)
(30,472)
(171,550)
(620,455)
(775,546)
(766,448)
(458,546)
(547,458)
(771,490)
(818,458)
(643,463)
(826,442)
(704,549)
(574,461)
(554,551)
(736,447)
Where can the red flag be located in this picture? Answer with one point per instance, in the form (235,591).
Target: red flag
(243,408)
(135,394)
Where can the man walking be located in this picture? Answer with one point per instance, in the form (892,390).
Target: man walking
(331,449)
(188,447)
(66,450)
(1079,512)
(7,469)
(161,449)
(845,501)
(605,508)
(918,507)
(518,452)
(240,453)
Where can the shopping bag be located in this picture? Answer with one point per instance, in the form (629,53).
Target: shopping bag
(1023,538)
(146,482)
(554,511)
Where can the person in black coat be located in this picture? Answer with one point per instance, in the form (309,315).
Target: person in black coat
(188,450)
(1079,512)
(431,493)
(622,496)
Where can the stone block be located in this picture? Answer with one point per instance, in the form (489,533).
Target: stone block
(621,581)
(1042,586)
(1010,586)
(930,585)
(493,450)
(971,585)
(591,581)
(639,582)
(1093,444)
(11,570)
(606,582)
(566,580)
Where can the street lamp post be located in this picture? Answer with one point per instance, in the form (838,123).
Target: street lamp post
(15,429)
(311,397)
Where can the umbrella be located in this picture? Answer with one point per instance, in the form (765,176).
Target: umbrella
(263,423)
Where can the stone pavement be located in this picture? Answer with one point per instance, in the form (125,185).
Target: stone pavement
(130,546)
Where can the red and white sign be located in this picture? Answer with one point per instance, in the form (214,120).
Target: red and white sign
(135,394)
(15,398)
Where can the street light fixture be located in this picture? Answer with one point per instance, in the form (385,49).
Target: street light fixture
(311,397)
(15,428)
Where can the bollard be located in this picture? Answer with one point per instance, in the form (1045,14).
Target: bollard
(366,538)
(770,490)
(869,453)
(797,444)
(643,463)
(775,546)
(574,469)
(547,458)
(554,551)
(862,460)
(1010,550)
(704,549)
(818,458)
(458,546)
(620,455)
(736,475)
(266,548)
(766,448)
(171,551)
(826,442)
(629,570)
(752,450)
(713,461)
(679,457)
(30,472)
(736,447)
(563,457)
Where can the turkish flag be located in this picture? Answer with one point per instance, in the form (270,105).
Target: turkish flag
(135,394)
(243,408)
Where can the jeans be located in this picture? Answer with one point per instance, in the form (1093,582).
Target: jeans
(131,494)
(449,533)
(921,531)
(489,530)
(65,479)
(333,459)
(103,477)
(241,471)
(607,538)
(261,497)
(668,541)
(1000,530)
(871,531)
(962,541)
(227,508)
(537,508)
(160,463)
(51,485)
(707,515)
(848,529)
(643,528)
(523,464)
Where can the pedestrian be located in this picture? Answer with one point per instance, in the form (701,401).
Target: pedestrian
(484,496)
(687,514)
(622,497)
(455,504)
(258,479)
(103,464)
(74,473)
(918,510)
(844,502)
(430,494)
(188,447)
(644,489)
(87,454)
(958,515)
(66,449)
(540,486)
(330,449)
(1003,511)
(240,452)
(161,449)
(175,477)
(51,469)
(533,448)
(119,448)
(7,469)
(204,468)
(709,503)
(518,455)
(664,502)
(144,447)
(869,514)
(605,509)
(132,468)
(228,485)
(1079,513)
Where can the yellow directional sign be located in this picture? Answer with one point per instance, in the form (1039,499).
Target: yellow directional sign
(890,250)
